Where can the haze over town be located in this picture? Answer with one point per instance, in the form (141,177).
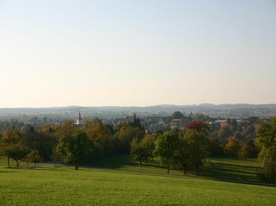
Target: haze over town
(137,53)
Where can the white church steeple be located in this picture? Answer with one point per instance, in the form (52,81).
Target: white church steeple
(79,119)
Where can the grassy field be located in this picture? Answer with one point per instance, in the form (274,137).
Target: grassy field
(218,168)
(124,183)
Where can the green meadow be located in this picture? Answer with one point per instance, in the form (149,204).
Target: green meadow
(120,181)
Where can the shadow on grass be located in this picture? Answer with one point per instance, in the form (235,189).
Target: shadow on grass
(231,170)
(115,162)
(7,171)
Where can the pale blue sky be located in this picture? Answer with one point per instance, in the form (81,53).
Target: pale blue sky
(137,53)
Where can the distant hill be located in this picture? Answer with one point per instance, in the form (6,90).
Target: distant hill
(230,110)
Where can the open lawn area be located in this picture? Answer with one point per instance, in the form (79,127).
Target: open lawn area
(48,185)
(218,168)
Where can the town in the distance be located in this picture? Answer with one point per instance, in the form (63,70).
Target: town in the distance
(168,132)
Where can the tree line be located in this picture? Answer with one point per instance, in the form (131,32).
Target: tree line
(179,148)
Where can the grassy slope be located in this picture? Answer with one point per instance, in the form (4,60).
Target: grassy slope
(218,168)
(65,186)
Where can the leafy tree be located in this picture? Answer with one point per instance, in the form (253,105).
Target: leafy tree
(177,115)
(43,142)
(56,155)
(75,147)
(234,123)
(200,117)
(199,126)
(224,133)
(125,136)
(148,143)
(244,151)
(9,141)
(266,142)
(228,121)
(249,133)
(17,152)
(239,135)
(216,149)
(143,149)
(34,157)
(67,128)
(165,148)
(254,120)
(232,148)
(182,156)
(136,122)
(137,150)
(198,147)
(101,133)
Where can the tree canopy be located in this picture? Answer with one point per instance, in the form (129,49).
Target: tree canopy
(266,142)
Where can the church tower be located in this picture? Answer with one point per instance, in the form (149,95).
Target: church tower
(79,119)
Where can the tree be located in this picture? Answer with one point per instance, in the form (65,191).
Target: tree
(137,150)
(216,149)
(234,123)
(199,126)
(43,142)
(136,122)
(249,133)
(177,115)
(66,128)
(9,142)
(17,152)
(101,133)
(244,151)
(143,149)
(182,156)
(148,143)
(165,148)
(56,155)
(125,136)
(266,143)
(197,146)
(34,157)
(224,133)
(75,147)
(232,148)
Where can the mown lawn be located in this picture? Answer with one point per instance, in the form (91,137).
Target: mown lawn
(217,168)
(63,185)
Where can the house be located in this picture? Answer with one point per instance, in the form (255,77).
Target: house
(175,123)
(223,124)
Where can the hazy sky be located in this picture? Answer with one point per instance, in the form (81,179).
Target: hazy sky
(136,52)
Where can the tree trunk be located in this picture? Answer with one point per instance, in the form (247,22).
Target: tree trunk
(17,163)
(76,166)
(168,169)
(8,161)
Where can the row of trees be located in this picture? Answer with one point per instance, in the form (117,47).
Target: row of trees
(98,140)
(182,149)
(85,145)
(15,145)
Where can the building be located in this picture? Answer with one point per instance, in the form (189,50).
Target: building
(79,120)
